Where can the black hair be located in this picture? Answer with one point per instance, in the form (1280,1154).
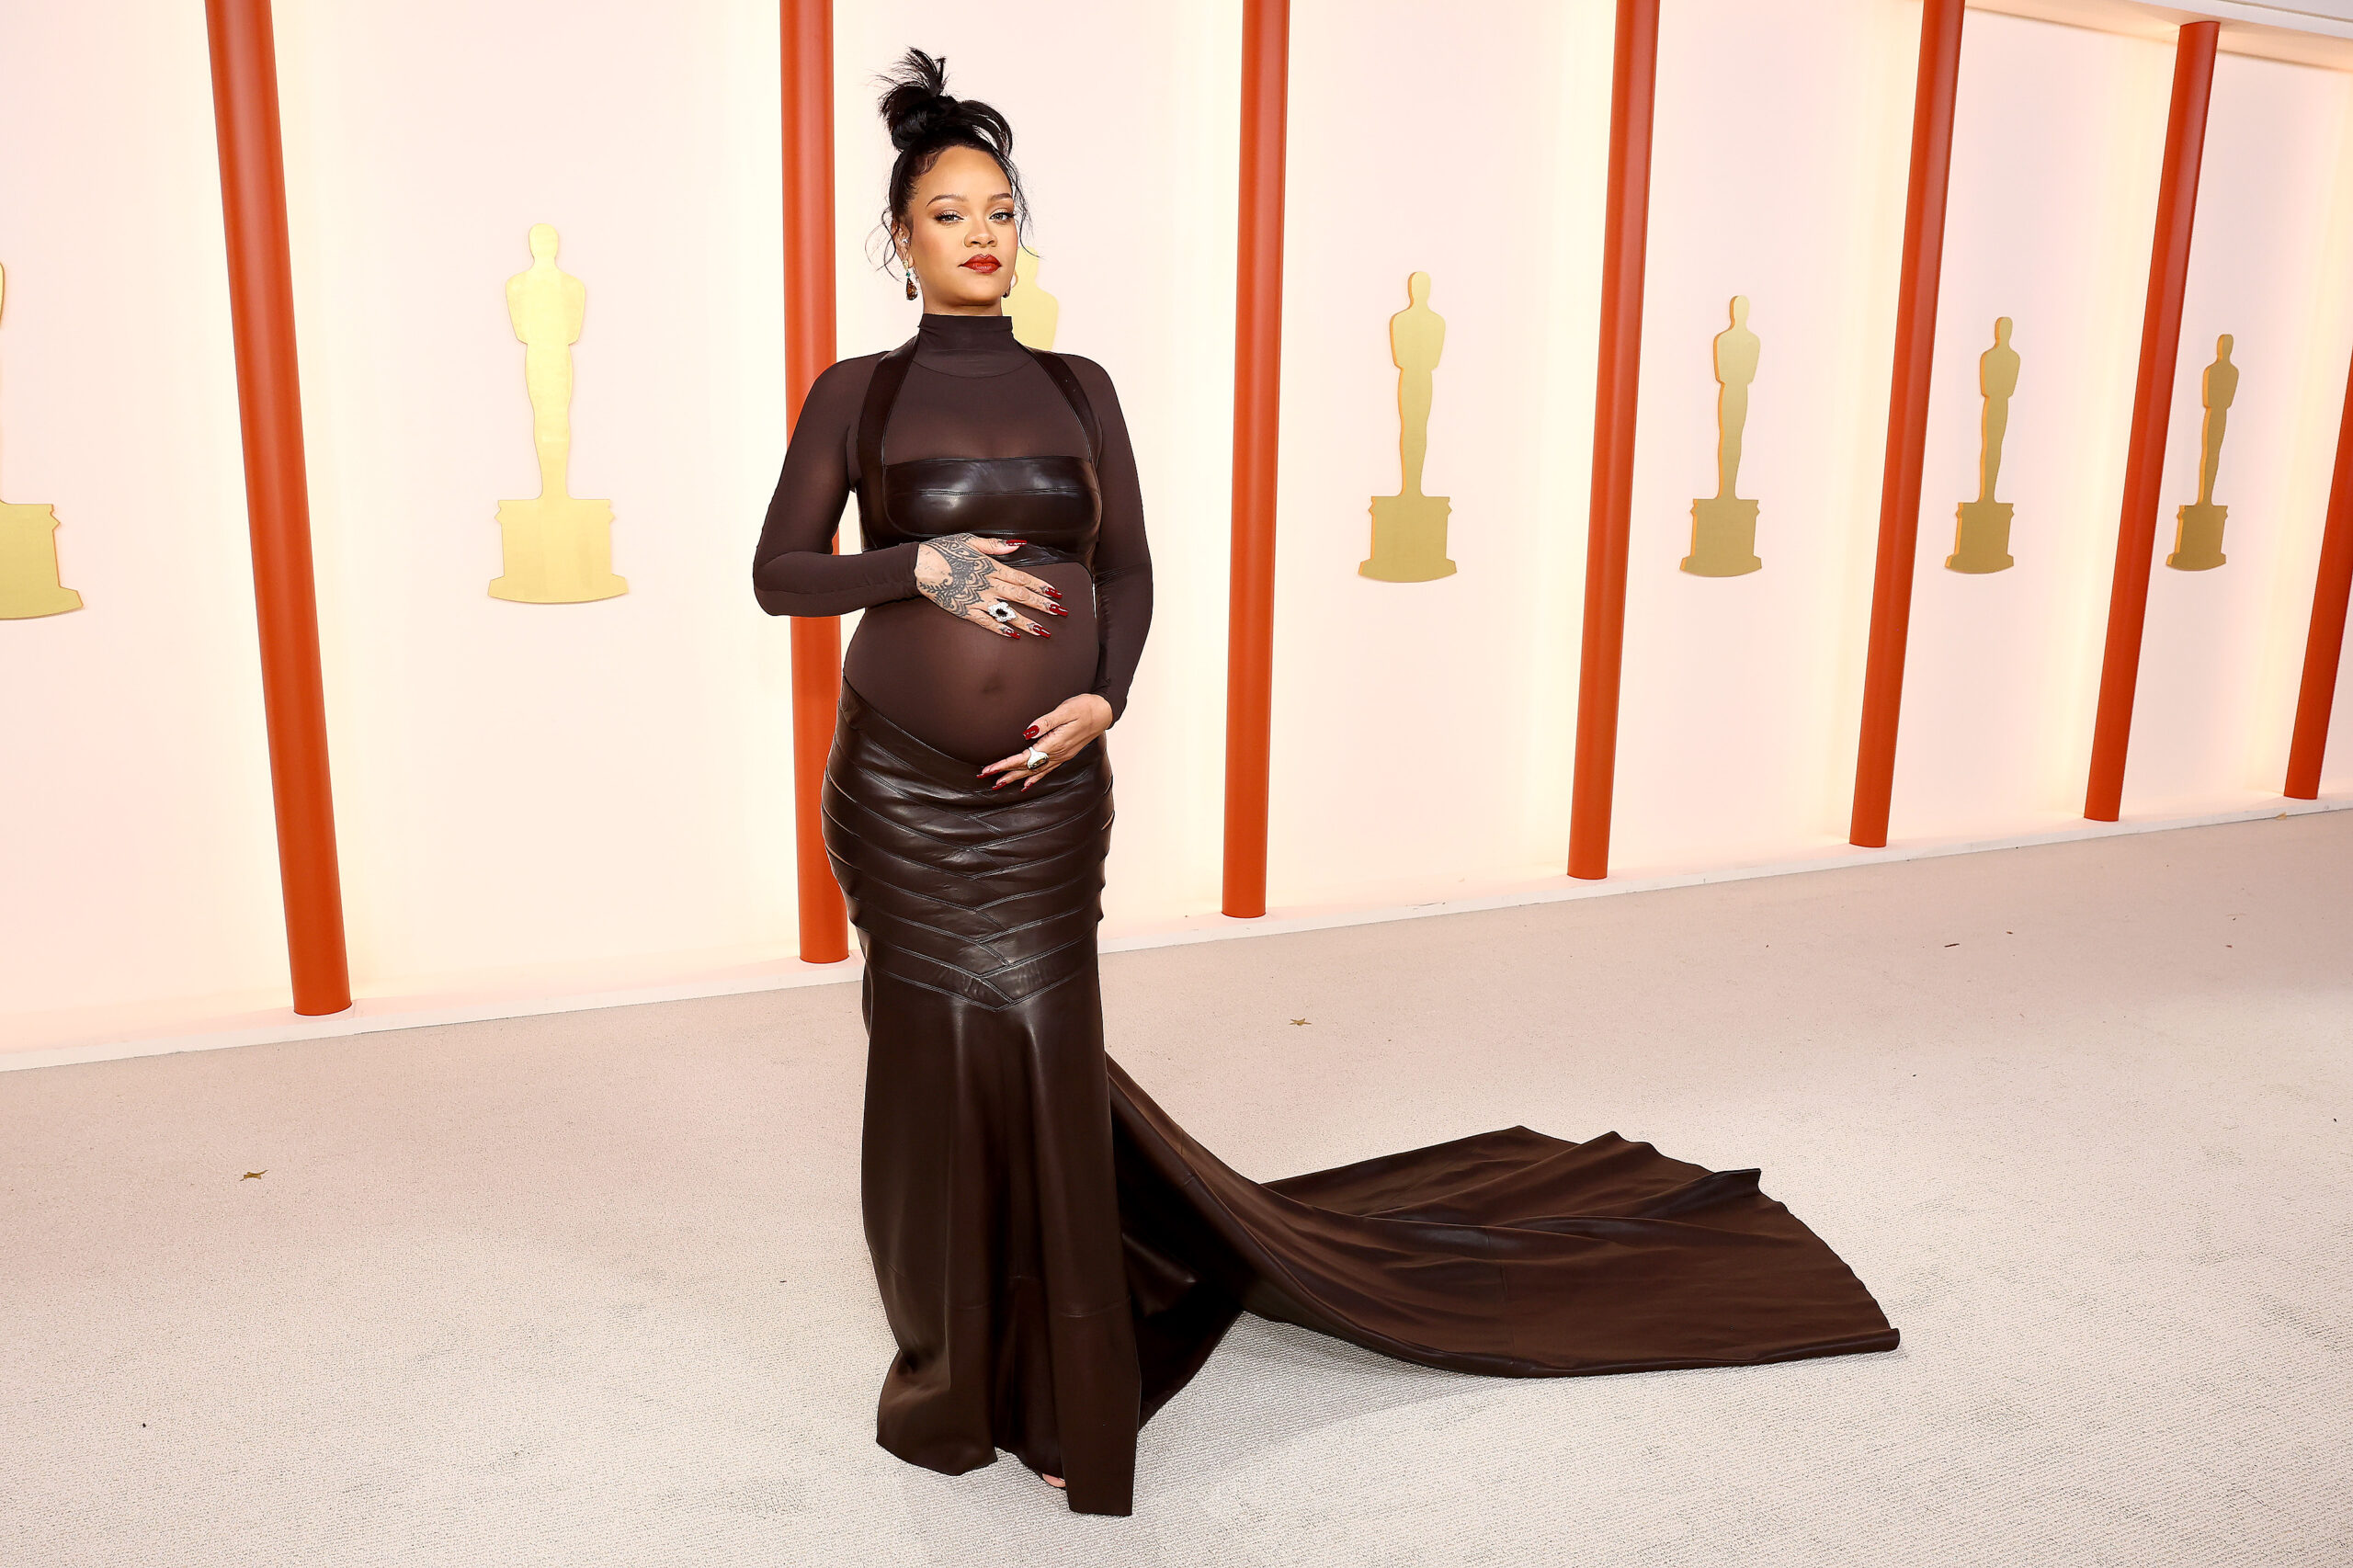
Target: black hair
(926,121)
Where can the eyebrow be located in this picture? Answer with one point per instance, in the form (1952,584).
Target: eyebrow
(952,196)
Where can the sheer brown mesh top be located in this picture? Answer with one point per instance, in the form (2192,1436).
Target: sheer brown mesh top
(979,435)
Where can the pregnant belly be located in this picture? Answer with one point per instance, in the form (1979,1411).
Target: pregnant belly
(965,688)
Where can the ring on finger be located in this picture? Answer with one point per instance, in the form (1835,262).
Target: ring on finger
(1000,612)
(1036,756)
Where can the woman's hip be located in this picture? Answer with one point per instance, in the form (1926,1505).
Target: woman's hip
(985,894)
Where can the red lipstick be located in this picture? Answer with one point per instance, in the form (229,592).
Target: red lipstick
(983,264)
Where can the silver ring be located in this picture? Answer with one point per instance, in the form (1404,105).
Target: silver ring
(1000,612)
(1036,756)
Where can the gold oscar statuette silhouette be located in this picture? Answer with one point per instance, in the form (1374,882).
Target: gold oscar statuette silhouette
(1981,541)
(2197,533)
(1409,528)
(558,549)
(1034,312)
(28,584)
(1723,527)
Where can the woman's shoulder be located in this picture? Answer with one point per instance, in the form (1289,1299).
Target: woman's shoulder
(847,375)
(1091,375)
(839,390)
(1080,363)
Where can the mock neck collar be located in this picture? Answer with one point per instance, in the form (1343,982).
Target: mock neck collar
(968,345)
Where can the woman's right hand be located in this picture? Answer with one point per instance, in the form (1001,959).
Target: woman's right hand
(959,573)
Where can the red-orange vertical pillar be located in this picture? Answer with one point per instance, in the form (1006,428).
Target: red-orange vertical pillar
(277,503)
(807,31)
(1626,233)
(2136,533)
(1257,386)
(2324,644)
(1907,418)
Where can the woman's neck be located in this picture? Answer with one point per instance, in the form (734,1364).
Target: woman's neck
(968,344)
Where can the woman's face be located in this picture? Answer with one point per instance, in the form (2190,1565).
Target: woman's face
(960,240)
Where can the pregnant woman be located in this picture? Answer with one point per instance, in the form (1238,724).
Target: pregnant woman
(1056,1256)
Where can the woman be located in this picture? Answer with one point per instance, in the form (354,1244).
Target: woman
(1056,1258)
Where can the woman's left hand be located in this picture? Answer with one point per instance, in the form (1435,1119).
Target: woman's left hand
(1062,734)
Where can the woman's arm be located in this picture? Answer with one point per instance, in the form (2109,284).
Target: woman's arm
(1123,558)
(794,570)
(1122,600)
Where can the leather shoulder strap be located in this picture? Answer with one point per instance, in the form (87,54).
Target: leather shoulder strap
(882,391)
(1067,379)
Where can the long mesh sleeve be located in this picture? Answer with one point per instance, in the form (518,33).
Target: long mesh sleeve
(1122,557)
(794,571)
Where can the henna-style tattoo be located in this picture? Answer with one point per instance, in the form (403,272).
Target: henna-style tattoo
(967,583)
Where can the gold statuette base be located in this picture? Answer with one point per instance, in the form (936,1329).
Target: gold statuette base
(28,584)
(2198,538)
(1981,542)
(1724,538)
(558,550)
(1408,540)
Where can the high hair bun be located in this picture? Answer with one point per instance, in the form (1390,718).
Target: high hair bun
(925,120)
(922,113)
(917,102)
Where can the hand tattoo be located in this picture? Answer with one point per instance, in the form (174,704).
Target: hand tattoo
(967,583)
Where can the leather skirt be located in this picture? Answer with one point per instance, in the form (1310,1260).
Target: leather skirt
(1057,1257)
(987,1160)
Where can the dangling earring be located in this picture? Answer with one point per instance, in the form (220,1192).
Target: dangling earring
(911,278)
(1013,279)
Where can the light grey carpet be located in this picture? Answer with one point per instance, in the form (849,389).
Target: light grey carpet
(590,1289)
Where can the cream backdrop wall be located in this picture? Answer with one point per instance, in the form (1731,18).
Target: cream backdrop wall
(2272,265)
(1779,174)
(140,865)
(1422,731)
(522,785)
(2058,138)
(556,800)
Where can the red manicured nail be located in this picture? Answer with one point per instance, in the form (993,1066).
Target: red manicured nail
(1054,591)
(1030,733)
(1040,632)
(1016,541)
(1000,783)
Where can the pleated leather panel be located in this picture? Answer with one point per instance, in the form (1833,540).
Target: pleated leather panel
(987,895)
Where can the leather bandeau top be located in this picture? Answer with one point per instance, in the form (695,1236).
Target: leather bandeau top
(1053,503)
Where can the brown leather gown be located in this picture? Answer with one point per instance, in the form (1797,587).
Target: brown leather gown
(1056,1258)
